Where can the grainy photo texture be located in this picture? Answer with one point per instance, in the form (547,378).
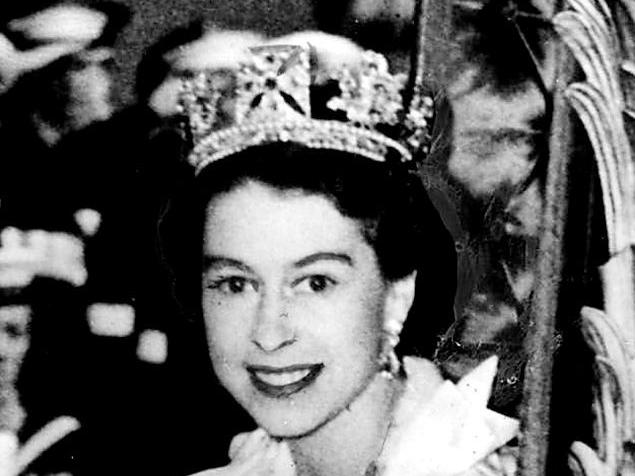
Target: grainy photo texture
(313,238)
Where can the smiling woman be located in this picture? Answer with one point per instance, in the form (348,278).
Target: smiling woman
(295,273)
(294,334)
(317,250)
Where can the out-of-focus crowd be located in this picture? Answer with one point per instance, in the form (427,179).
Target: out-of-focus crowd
(87,312)
(86,304)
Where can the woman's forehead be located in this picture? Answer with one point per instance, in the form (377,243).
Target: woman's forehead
(255,222)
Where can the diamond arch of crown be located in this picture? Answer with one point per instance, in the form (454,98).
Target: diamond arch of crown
(271,102)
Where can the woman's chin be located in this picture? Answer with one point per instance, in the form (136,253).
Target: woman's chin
(296,419)
(288,428)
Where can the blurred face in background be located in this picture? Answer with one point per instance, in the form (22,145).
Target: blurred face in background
(72,92)
(89,84)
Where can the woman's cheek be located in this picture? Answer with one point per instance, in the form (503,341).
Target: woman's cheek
(228,321)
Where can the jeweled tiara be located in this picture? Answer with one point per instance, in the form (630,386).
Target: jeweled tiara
(276,96)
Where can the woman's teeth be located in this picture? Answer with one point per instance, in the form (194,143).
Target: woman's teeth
(280,379)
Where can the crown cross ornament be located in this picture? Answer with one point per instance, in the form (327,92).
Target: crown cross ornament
(276,83)
(271,101)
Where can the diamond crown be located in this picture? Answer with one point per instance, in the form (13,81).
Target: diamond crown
(269,99)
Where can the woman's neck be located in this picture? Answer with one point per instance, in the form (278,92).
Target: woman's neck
(352,441)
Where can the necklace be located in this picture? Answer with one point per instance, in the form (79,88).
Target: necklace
(373,468)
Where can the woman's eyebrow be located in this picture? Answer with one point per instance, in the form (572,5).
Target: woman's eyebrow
(324,255)
(215,262)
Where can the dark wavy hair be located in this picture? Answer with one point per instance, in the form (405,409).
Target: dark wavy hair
(389,202)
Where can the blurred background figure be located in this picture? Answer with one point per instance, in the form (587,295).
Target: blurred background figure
(80,91)
(55,76)
(496,164)
(56,80)
(124,170)
(486,173)
(486,169)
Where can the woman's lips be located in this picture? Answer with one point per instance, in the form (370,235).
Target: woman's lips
(283,378)
(280,382)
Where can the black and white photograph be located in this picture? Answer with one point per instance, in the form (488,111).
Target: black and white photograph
(317,238)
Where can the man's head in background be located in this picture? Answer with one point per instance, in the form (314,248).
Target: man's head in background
(56,63)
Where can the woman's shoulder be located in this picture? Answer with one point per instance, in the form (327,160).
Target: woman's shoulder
(444,428)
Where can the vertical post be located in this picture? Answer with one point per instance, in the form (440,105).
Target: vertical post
(539,342)
(432,24)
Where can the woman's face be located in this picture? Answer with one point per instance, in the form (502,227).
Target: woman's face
(294,305)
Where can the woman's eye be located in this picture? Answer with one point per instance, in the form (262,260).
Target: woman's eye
(316,283)
(233,285)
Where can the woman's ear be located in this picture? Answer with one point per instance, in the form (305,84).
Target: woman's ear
(399,299)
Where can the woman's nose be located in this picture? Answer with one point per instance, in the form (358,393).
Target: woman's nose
(272,329)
